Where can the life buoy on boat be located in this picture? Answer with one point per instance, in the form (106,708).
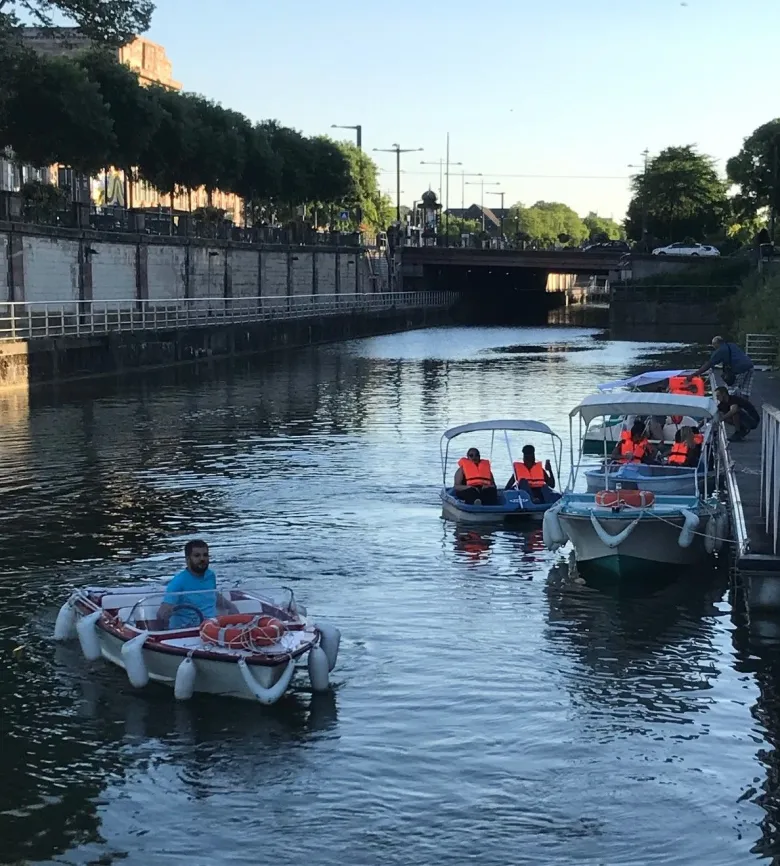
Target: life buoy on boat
(241,631)
(632,498)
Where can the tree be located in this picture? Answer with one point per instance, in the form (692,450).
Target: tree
(756,171)
(454,227)
(602,228)
(113,22)
(376,208)
(544,222)
(165,161)
(680,195)
(56,114)
(134,111)
(331,180)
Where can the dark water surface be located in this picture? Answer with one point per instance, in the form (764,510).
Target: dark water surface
(488,709)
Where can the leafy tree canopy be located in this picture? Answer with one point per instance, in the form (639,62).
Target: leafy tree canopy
(602,228)
(545,222)
(681,194)
(113,22)
(755,171)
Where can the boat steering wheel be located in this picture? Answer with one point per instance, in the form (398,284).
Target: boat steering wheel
(192,607)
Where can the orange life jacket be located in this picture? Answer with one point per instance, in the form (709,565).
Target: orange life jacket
(679,454)
(534,476)
(681,385)
(476,474)
(698,438)
(636,450)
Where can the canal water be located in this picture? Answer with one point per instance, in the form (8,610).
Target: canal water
(488,708)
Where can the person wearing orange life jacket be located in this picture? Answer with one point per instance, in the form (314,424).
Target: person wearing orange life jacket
(685,451)
(474,482)
(634,447)
(530,475)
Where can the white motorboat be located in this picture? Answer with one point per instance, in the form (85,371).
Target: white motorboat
(250,655)
(601,437)
(512,504)
(621,529)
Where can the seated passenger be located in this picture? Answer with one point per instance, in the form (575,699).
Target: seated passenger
(193,587)
(474,482)
(634,447)
(531,476)
(685,451)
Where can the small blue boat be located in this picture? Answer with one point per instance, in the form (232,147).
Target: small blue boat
(513,504)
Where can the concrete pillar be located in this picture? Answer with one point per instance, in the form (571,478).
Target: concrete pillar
(85,270)
(259,280)
(142,272)
(314,286)
(187,271)
(228,274)
(338,272)
(289,273)
(15,267)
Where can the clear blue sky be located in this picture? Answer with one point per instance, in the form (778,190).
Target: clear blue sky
(524,88)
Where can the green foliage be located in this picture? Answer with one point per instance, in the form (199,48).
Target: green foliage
(544,222)
(602,229)
(165,162)
(753,170)
(755,308)
(56,114)
(364,192)
(681,194)
(458,227)
(42,202)
(134,111)
(113,22)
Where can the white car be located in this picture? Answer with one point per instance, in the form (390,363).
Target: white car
(686,250)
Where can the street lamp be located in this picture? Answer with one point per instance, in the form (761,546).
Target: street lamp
(397,150)
(482,184)
(358,129)
(502,194)
(646,155)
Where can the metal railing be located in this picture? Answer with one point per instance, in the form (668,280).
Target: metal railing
(770,471)
(762,350)
(34,320)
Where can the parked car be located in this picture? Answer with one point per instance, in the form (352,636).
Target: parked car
(686,249)
(608,246)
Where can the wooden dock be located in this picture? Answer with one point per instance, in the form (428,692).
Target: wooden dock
(756,559)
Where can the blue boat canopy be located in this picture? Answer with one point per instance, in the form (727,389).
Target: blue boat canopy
(651,377)
(528,426)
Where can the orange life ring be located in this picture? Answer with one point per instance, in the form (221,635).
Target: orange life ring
(632,498)
(241,631)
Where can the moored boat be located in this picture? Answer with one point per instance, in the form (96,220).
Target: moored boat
(622,529)
(250,655)
(511,504)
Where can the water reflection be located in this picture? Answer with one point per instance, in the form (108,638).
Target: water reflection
(487,706)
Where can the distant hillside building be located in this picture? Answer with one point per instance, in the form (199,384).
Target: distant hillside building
(151,63)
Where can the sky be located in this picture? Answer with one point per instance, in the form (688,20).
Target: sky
(544,100)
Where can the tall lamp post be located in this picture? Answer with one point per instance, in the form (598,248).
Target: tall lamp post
(502,194)
(646,155)
(482,184)
(397,150)
(359,136)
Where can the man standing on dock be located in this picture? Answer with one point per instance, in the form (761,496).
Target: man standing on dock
(737,366)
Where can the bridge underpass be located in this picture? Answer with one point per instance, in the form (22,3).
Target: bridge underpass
(500,286)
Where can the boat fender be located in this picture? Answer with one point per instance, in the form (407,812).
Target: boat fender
(552,531)
(710,534)
(612,541)
(133,660)
(722,527)
(686,533)
(65,626)
(88,638)
(266,696)
(330,640)
(318,669)
(184,685)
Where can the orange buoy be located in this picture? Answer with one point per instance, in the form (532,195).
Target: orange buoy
(241,631)
(631,498)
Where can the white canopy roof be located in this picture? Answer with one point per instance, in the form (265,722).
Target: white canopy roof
(651,377)
(528,426)
(637,403)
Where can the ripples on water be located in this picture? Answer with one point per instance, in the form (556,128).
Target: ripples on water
(488,709)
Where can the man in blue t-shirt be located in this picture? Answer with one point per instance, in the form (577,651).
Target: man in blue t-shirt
(193,587)
(734,360)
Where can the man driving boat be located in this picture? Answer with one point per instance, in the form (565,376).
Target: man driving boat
(474,482)
(193,587)
(530,475)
